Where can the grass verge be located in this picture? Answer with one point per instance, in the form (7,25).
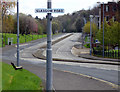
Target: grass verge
(19,79)
(22,38)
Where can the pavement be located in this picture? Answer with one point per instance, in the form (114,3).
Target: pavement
(62,80)
(85,53)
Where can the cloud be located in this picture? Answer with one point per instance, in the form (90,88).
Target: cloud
(28,6)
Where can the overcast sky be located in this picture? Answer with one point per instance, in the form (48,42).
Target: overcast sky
(28,6)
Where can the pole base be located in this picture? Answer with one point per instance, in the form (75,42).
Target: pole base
(16,68)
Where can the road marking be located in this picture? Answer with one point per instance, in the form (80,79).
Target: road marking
(113,85)
(21,45)
(88,76)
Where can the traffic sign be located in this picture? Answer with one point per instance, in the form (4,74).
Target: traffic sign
(43,10)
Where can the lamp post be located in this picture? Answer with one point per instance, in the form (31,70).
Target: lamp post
(2,22)
(103,25)
(2,27)
(91,16)
(103,29)
(49,72)
(18,33)
(82,32)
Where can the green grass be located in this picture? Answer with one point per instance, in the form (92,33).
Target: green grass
(87,40)
(21,38)
(19,79)
(87,45)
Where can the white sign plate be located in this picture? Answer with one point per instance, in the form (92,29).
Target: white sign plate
(42,10)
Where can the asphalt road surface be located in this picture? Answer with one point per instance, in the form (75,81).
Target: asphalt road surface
(62,49)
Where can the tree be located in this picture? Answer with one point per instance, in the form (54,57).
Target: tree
(86,28)
(40,29)
(9,24)
(106,33)
(6,11)
(55,27)
(27,24)
(79,25)
(111,33)
(44,24)
(7,7)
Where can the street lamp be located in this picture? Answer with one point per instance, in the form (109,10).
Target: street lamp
(2,27)
(91,16)
(2,22)
(82,32)
(18,33)
(103,25)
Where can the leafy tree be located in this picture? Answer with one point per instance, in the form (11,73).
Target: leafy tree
(27,24)
(9,24)
(106,33)
(44,25)
(7,7)
(5,11)
(86,28)
(40,29)
(55,27)
(111,33)
(79,25)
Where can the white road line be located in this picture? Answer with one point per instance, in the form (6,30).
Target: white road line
(88,65)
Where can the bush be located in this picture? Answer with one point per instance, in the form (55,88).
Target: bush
(87,45)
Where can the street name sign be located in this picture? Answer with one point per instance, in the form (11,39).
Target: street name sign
(43,10)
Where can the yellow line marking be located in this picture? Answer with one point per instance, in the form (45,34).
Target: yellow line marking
(109,83)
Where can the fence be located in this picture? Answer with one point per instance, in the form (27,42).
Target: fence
(108,54)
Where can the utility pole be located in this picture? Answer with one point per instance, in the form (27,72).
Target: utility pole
(2,28)
(82,32)
(49,66)
(2,22)
(103,29)
(103,24)
(91,16)
(18,33)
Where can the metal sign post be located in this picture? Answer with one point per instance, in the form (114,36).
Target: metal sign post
(91,16)
(49,73)
(49,67)
(18,33)
(103,29)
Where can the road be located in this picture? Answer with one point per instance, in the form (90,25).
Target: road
(61,49)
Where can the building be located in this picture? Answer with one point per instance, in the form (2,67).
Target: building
(110,11)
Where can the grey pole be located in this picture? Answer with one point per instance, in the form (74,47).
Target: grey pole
(25,35)
(18,33)
(103,29)
(82,33)
(91,34)
(2,27)
(49,73)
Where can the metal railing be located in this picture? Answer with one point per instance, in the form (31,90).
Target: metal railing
(108,54)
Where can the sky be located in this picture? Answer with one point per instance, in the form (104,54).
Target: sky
(69,6)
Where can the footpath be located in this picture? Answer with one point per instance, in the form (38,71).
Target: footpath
(85,53)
